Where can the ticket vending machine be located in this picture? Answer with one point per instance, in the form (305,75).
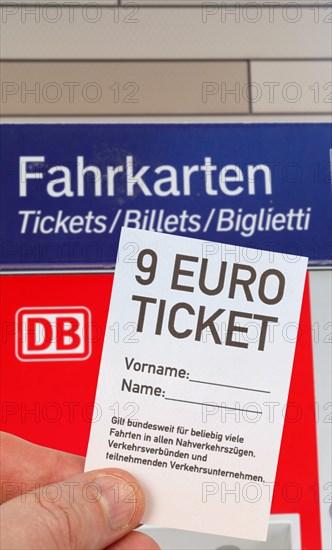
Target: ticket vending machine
(208,85)
(60,229)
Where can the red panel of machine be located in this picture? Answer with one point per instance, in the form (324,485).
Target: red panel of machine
(51,402)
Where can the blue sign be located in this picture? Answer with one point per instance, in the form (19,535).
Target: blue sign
(67,189)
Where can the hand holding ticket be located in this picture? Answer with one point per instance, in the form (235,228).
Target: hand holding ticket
(186,398)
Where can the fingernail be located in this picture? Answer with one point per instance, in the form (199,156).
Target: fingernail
(119,498)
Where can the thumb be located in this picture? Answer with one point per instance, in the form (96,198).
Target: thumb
(89,511)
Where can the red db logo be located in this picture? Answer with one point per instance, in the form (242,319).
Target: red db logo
(53,333)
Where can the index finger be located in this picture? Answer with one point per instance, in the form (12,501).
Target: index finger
(26,466)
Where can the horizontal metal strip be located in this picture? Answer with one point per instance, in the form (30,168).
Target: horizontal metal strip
(134,32)
(95,88)
(290,86)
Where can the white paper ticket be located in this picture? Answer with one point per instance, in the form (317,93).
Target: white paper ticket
(194,378)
